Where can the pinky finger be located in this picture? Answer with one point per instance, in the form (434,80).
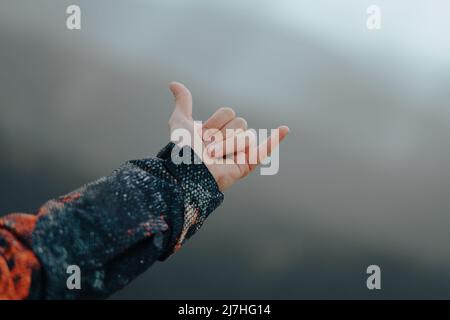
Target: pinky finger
(265,148)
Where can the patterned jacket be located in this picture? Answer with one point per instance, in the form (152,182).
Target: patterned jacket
(112,229)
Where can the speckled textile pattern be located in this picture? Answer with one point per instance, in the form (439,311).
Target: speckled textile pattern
(114,229)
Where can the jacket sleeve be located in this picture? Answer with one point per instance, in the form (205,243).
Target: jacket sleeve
(111,230)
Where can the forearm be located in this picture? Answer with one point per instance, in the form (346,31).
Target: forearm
(113,229)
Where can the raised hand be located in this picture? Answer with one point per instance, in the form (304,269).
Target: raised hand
(215,136)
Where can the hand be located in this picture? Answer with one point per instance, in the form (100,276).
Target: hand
(213,137)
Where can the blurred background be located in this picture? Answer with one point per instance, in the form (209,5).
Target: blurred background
(364,174)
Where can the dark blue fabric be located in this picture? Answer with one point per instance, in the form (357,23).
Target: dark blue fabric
(116,227)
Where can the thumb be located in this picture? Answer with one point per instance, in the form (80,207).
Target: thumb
(183,98)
